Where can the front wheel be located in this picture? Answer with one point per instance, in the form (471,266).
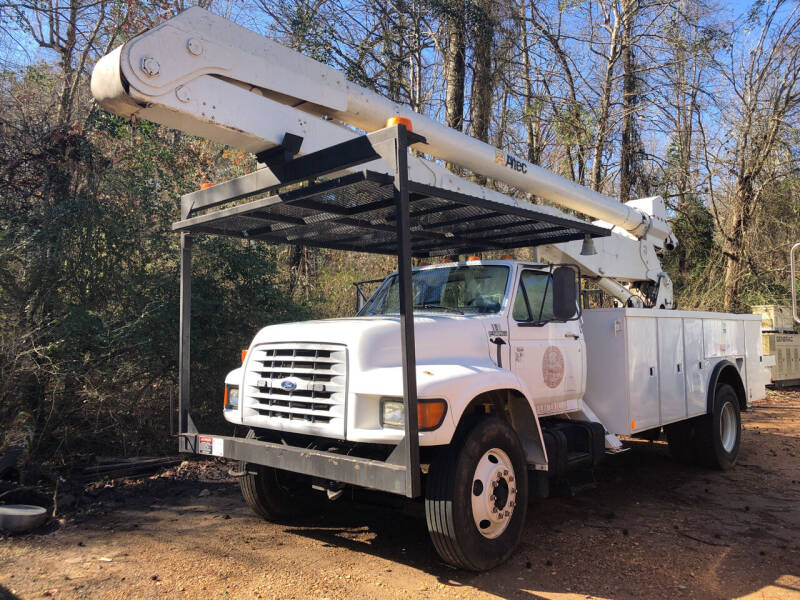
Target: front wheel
(476,497)
(273,494)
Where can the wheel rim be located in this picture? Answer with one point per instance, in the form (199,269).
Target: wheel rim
(494,493)
(727,427)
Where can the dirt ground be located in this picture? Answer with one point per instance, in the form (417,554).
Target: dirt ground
(651,528)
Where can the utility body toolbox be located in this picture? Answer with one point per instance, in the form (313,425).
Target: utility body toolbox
(648,367)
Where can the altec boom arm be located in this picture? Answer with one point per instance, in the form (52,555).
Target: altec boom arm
(209,77)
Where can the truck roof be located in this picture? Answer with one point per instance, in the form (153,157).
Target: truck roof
(508,262)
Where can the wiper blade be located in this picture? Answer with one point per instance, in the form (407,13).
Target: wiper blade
(450,308)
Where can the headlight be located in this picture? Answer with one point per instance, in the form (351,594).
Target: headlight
(392,413)
(430,413)
(231,397)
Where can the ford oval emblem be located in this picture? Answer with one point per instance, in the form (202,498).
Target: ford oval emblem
(289,385)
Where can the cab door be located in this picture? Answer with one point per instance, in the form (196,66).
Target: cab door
(546,353)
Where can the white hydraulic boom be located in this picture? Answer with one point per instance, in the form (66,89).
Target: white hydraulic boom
(209,77)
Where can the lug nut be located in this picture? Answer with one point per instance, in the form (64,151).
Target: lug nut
(512,504)
(494,509)
(494,484)
(505,471)
(492,497)
(513,490)
(511,479)
(507,513)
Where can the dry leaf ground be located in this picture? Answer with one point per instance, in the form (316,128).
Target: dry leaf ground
(650,529)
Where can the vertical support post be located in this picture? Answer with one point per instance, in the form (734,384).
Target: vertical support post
(184,400)
(407,347)
(358,299)
(793,275)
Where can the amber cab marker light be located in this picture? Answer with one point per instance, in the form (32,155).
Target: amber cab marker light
(430,413)
(244,354)
(506,257)
(392,121)
(474,258)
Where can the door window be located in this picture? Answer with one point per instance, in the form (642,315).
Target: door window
(534,301)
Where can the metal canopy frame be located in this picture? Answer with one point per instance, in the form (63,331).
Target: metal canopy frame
(365,211)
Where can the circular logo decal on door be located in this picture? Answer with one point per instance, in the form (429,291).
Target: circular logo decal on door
(552,367)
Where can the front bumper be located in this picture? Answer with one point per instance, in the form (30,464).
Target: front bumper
(388,476)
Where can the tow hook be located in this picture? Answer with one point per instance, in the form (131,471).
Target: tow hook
(241,473)
(334,494)
(334,489)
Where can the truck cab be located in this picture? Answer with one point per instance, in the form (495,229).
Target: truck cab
(482,327)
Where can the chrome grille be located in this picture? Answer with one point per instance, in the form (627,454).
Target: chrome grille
(297,387)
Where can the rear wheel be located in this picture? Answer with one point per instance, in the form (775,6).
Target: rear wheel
(719,434)
(274,494)
(477,496)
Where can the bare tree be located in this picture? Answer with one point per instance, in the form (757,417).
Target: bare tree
(763,74)
(568,110)
(75,30)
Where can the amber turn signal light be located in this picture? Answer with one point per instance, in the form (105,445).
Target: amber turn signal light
(244,354)
(392,121)
(430,414)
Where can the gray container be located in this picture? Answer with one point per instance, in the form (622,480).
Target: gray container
(18,518)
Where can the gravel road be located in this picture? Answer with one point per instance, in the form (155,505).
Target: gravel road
(650,528)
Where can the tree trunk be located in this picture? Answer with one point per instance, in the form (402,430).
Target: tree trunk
(454,68)
(571,114)
(482,78)
(603,117)
(532,116)
(630,139)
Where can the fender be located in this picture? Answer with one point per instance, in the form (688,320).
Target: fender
(521,411)
(722,373)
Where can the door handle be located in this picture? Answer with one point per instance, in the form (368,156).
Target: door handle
(574,336)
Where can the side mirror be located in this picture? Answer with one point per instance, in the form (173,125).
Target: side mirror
(565,293)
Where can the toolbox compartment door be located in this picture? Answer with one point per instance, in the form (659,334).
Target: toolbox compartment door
(672,371)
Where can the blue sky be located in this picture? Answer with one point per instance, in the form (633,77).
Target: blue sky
(22,50)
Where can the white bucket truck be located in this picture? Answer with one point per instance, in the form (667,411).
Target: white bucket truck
(473,384)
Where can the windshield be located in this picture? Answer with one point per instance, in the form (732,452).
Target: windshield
(477,289)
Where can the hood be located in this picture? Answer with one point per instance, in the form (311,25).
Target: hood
(374,342)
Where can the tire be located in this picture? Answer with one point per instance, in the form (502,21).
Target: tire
(680,438)
(718,435)
(273,494)
(482,470)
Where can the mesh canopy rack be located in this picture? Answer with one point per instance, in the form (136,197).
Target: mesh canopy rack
(307,201)
(294,203)
(357,212)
